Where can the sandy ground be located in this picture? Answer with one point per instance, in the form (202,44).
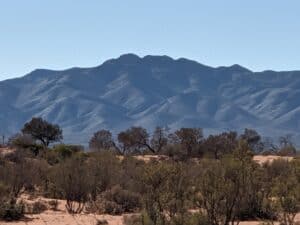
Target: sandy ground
(6,151)
(269,158)
(61,217)
(147,158)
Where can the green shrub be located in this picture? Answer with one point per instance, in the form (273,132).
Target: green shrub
(4,191)
(66,151)
(51,157)
(11,211)
(71,178)
(115,202)
(175,152)
(128,201)
(38,207)
(189,219)
(112,208)
(197,219)
(102,222)
(133,220)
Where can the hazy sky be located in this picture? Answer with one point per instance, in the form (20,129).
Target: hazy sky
(57,34)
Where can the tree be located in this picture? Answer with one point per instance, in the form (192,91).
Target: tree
(159,139)
(2,140)
(286,146)
(101,140)
(269,146)
(134,139)
(221,144)
(43,131)
(253,139)
(285,140)
(188,138)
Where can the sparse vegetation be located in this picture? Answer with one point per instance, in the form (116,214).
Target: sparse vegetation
(204,181)
(53,205)
(36,207)
(10,211)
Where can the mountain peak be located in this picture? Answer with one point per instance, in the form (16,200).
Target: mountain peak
(152,91)
(239,68)
(236,68)
(160,57)
(129,58)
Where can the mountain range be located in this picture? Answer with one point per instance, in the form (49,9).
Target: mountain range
(153,91)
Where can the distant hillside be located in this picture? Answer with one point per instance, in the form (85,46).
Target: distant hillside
(151,91)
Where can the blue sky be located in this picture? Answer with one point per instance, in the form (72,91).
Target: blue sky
(57,34)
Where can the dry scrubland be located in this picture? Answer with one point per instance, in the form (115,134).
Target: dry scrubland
(178,178)
(62,217)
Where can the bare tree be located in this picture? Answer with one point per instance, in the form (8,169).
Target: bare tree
(159,139)
(286,146)
(253,139)
(3,139)
(285,140)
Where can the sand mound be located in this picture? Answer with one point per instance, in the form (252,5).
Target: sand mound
(270,158)
(6,151)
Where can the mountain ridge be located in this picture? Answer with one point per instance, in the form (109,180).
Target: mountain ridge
(151,91)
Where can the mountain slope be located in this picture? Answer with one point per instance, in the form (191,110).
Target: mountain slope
(151,91)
